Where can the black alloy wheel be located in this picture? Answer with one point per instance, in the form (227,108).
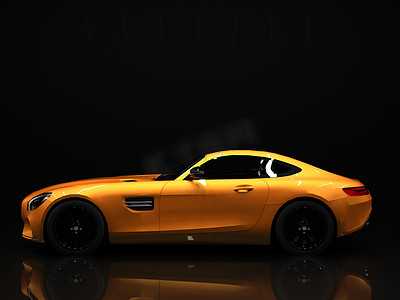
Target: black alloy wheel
(75,227)
(304,227)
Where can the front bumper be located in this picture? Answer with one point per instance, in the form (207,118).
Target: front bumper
(33,221)
(27,232)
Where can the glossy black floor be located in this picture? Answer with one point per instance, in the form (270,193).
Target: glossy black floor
(360,266)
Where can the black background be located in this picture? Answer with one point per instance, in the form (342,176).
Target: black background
(104,88)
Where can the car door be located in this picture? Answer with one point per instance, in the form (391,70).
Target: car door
(229,198)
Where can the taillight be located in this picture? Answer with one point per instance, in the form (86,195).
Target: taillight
(356,191)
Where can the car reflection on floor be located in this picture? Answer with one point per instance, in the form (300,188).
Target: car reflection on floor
(136,277)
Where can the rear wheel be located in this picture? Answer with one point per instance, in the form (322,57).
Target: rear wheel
(75,227)
(304,227)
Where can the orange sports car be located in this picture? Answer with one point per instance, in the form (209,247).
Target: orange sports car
(229,197)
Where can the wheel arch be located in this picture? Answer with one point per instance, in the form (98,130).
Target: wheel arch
(311,199)
(106,236)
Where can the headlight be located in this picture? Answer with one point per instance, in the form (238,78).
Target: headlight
(35,202)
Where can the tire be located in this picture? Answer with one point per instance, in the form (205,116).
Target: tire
(304,228)
(75,227)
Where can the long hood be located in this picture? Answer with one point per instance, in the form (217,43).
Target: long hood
(99,181)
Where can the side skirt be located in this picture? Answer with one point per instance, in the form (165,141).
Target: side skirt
(237,237)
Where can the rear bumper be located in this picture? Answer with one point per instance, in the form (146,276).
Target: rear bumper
(366,225)
(353,214)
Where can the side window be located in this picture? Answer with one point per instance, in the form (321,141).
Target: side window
(242,166)
(276,168)
(232,167)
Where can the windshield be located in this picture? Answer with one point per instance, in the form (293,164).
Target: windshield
(178,169)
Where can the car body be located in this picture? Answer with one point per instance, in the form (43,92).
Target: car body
(234,196)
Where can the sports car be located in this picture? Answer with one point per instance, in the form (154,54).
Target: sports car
(226,197)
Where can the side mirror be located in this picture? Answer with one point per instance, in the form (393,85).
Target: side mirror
(197,172)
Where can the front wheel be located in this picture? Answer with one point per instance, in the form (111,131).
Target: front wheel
(304,227)
(75,227)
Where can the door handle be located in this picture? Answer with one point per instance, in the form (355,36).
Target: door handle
(244,188)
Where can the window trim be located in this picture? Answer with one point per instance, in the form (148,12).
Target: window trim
(293,168)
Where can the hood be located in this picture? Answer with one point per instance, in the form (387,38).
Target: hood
(101,180)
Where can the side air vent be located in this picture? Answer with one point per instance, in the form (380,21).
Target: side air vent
(140,203)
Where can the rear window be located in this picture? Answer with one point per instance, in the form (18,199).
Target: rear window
(277,168)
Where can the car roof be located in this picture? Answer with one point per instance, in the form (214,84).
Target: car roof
(256,153)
